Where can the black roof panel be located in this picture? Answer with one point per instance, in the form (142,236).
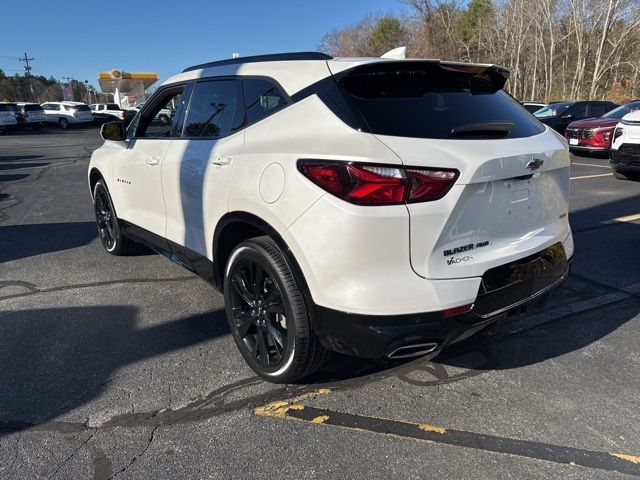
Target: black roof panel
(274,57)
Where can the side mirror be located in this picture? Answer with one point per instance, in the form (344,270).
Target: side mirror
(113,131)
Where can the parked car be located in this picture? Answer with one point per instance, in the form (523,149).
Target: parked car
(163,117)
(31,114)
(109,112)
(596,134)
(625,151)
(371,207)
(559,115)
(8,122)
(532,107)
(66,114)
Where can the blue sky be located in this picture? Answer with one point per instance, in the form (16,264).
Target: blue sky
(164,36)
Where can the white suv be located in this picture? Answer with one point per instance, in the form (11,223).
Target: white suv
(625,150)
(8,122)
(373,207)
(66,114)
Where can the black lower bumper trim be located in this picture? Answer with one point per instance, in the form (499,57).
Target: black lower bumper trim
(506,290)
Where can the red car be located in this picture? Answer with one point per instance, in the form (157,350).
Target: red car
(596,134)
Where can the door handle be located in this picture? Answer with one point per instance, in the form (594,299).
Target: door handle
(153,161)
(221,160)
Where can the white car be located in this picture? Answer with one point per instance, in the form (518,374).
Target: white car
(625,150)
(66,114)
(375,207)
(8,122)
(32,114)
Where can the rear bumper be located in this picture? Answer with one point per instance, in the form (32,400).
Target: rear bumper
(506,290)
(589,148)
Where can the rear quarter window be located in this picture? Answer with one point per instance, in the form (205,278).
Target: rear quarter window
(424,100)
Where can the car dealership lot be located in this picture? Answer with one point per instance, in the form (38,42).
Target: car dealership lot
(124,366)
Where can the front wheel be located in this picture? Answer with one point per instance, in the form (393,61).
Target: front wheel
(63,123)
(267,313)
(109,231)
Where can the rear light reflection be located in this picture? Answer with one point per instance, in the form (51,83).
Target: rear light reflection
(452,312)
(363,184)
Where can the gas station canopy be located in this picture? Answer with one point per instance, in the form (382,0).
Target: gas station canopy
(128,88)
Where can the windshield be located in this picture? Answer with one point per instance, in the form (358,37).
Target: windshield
(427,100)
(622,110)
(552,110)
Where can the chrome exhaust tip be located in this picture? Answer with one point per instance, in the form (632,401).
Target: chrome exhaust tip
(414,350)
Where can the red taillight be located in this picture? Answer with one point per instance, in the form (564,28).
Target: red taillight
(455,311)
(368,184)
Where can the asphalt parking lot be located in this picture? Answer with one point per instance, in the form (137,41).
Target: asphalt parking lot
(124,367)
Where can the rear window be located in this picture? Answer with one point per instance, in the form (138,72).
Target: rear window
(430,100)
(32,108)
(79,108)
(112,106)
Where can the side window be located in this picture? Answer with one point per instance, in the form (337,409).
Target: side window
(262,98)
(215,109)
(156,119)
(597,110)
(579,110)
(54,106)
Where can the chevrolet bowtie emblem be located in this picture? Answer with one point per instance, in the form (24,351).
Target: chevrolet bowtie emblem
(535,164)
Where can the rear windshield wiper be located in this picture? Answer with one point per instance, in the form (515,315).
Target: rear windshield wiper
(498,127)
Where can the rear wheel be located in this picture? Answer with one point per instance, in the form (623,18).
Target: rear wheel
(63,123)
(267,313)
(109,231)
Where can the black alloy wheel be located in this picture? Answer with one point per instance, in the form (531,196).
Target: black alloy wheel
(109,231)
(105,218)
(267,313)
(258,314)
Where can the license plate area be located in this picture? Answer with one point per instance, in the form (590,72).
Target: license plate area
(507,286)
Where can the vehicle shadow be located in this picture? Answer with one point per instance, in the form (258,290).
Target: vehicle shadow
(56,359)
(22,241)
(19,166)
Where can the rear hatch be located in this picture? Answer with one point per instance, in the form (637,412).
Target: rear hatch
(34,113)
(7,114)
(82,112)
(511,198)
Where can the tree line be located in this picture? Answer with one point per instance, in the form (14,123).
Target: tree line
(555,49)
(39,89)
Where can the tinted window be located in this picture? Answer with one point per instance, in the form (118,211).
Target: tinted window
(157,120)
(426,100)
(597,110)
(112,106)
(78,108)
(552,110)
(32,108)
(579,110)
(261,98)
(5,108)
(214,109)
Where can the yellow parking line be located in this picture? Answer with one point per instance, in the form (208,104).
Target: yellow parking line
(592,176)
(628,218)
(590,165)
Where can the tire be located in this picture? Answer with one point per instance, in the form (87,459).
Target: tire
(626,176)
(267,313)
(63,123)
(113,241)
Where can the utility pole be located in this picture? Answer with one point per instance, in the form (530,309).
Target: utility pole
(27,72)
